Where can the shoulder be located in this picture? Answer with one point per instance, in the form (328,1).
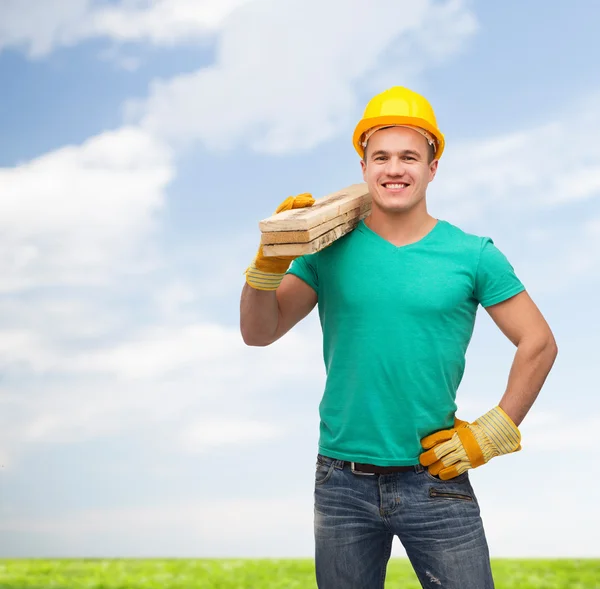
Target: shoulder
(462,238)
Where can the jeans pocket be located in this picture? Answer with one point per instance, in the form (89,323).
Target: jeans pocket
(446,493)
(324,469)
(457,488)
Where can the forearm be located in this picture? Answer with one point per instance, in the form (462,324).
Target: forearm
(259,316)
(531,365)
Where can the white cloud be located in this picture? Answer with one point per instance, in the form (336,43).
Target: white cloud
(163,22)
(77,214)
(543,167)
(39,26)
(286,73)
(54,316)
(152,353)
(172,299)
(87,211)
(553,433)
(534,518)
(166,375)
(535,191)
(208,433)
(270,87)
(567,257)
(18,346)
(544,521)
(156,352)
(274,526)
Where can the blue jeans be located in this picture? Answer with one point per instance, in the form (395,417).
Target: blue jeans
(357,517)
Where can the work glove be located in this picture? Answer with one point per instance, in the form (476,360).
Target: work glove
(267,273)
(469,445)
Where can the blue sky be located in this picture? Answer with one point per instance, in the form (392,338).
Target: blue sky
(142,141)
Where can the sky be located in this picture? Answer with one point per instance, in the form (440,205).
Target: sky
(141,142)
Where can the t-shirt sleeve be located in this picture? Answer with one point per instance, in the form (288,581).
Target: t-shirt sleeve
(495,280)
(305,268)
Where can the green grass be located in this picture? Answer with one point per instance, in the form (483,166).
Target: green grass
(264,574)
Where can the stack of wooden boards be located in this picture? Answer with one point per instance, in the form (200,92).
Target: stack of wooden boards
(308,230)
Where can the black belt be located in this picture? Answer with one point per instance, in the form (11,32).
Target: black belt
(366,469)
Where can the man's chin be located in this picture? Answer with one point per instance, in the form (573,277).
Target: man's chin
(395,210)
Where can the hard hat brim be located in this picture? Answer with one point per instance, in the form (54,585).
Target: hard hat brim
(366,124)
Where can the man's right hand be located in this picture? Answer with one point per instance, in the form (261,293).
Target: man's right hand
(267,273)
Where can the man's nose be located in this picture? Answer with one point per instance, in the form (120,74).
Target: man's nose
(395,167)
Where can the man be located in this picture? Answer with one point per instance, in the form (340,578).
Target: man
(397,300)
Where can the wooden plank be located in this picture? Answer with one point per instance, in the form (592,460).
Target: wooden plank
(324,209)
(321,242)
(272,237)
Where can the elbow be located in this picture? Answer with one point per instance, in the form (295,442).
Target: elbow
(254,341)
(552,351)
(553,346)
(548,346)
(541,345)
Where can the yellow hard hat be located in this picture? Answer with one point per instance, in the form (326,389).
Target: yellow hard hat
(398,106)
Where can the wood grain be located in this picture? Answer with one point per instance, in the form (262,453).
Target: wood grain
(272,237)
(323,210)
(321,242)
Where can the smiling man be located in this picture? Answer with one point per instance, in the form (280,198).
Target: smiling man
(397,299)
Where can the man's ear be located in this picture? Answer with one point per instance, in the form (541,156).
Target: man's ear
(363,167)
(433,166)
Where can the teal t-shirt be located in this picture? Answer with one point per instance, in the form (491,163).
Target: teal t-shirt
(396,324)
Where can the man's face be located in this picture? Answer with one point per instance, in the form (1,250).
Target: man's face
(398,171)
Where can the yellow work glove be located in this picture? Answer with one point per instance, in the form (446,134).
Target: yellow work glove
(267,273)
(469,445)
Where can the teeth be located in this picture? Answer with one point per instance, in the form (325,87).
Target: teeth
(396,185)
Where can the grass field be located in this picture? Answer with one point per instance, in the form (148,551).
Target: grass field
(264,574)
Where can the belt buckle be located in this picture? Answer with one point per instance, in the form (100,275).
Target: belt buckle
(362,474)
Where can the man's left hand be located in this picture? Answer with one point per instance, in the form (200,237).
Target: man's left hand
(469,445)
